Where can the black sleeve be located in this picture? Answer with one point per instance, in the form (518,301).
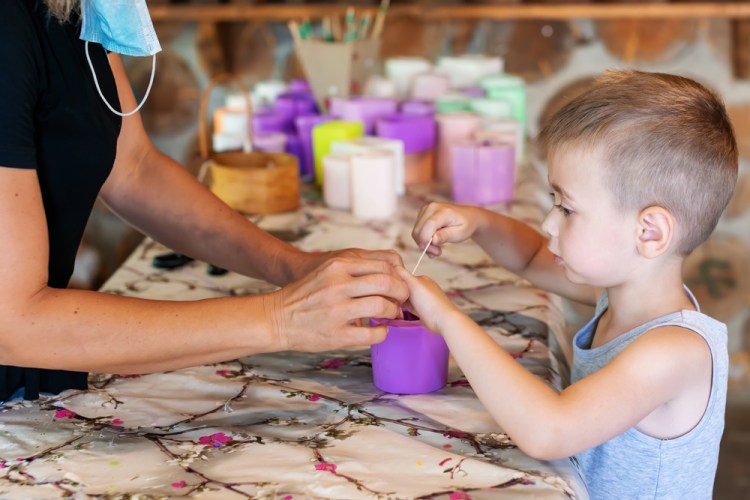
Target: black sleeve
(19,85)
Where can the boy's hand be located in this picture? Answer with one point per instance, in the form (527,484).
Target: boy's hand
(428,300)
(444,223)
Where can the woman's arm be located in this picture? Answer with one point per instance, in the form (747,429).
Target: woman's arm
(161,199)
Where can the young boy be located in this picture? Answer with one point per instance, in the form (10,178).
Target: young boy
(640,167)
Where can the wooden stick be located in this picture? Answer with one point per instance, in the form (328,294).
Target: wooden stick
(377,29)
(294,28)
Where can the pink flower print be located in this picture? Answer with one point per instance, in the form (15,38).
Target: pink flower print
(3,466)
(313,397)
(459,495)
(225,373)
(179,484)
(516,355)
(326,467)
(217,440)
(65,414)
(116,421)
(332,364)
(288,497)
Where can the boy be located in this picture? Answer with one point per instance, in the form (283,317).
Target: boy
(640,167)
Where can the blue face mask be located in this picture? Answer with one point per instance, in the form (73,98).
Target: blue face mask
(121,26)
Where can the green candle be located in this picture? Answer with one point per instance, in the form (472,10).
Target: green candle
(494,108)
(509,88)
(326,133)
(452,103)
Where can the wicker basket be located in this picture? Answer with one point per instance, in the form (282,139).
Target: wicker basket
(249,182)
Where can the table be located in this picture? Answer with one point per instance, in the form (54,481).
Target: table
(296,425)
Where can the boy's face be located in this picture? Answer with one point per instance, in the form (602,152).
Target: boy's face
(591,238)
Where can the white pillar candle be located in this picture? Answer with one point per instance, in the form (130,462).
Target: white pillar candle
(380,87)
(466,70)
(228,141)
(372,192)
(337,181)
(402,69)
(503,130)
(365,144)
(231,120)
(264,93)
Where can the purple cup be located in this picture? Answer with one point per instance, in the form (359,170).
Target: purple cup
(411,359)
(299,86)
(294,104)
(294,147)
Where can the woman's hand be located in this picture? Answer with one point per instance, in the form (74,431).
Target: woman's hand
(322,311)
(444,223)
(428,301)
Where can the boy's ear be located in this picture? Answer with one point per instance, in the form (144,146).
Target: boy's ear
(656,229)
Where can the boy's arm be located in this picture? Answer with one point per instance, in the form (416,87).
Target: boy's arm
(654,370)
(514,245)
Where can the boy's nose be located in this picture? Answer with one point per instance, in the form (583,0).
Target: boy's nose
(548,224)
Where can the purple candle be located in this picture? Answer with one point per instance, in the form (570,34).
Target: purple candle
(294,104)
(267,120)
(294,147)
(483,172)
(363,109)
(305,124)
(474,92)
(418,135)
(270,142)
(299,86)
(419,108)
(416,132)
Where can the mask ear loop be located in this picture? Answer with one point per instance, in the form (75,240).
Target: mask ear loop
(96,82)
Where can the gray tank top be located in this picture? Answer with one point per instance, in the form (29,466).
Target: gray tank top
(634,465)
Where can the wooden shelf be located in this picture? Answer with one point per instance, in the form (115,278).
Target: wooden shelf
(282,12)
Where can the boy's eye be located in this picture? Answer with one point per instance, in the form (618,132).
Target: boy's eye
(565,211)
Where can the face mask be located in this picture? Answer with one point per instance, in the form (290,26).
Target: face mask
(121,26)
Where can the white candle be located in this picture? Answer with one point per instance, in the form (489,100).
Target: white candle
(228,141)
(365,144)
(337,181)
(380,87)
(503,130)
(466,70)
(372,193)
(231,120)
(264,93)
(402,69)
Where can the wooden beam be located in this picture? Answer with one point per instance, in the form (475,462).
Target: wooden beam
(741,48)
(281,12)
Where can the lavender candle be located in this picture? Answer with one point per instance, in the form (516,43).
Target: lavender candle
(483,172)
(417,133)
(305,125)
(363,109)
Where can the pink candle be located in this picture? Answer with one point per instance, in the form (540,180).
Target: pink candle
(452,128)
(429,86)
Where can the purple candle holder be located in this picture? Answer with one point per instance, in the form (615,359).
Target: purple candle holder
(363,109)
(305,124)
(299,86)
(270,142)
(294,104)
(411,359)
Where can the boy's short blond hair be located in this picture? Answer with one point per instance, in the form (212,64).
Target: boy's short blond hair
(665,140)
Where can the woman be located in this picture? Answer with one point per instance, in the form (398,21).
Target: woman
(62,144)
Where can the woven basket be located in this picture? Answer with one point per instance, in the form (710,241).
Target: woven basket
(250,182)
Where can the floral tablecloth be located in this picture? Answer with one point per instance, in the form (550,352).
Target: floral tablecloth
(294,425)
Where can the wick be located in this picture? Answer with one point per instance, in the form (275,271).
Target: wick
(422,256)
